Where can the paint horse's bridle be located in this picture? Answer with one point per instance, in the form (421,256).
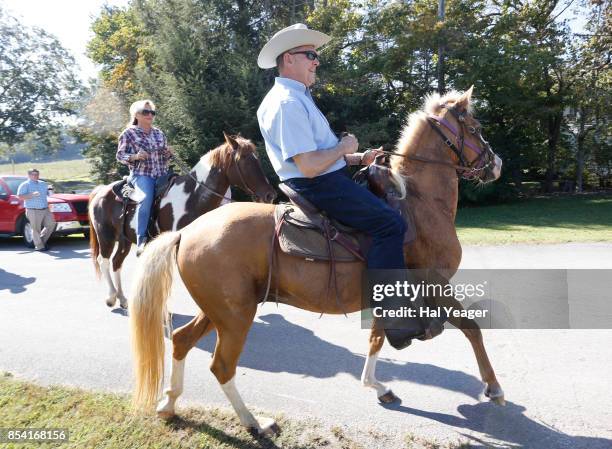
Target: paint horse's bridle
(466,169)
(244,185)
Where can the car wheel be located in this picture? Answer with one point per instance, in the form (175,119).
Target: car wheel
(28,235)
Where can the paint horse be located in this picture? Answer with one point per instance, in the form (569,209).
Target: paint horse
(191,195)
(223,256)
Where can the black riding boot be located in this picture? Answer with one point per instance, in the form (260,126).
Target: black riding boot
(412,316)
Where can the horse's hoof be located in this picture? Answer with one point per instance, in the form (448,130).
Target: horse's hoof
(388,398)
(123,303)
(267,427)
(499,400)
(496,395)
(165,415)
(110,302)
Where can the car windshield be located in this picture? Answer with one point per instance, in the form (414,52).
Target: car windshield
(14,181)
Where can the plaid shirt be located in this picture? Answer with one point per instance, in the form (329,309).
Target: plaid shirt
(133,139)
(30,186)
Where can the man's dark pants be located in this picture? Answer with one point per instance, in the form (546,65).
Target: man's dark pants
(340,198)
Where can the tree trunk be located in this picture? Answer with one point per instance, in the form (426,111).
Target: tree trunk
(580,151)
(554,129)
(441,85)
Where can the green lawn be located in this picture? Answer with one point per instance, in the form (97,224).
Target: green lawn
(104,420)
(64,175)
(581,218)
(584,218)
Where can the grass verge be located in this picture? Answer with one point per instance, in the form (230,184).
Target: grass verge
(577,218)
(538,220)
(105,420)
(65,176)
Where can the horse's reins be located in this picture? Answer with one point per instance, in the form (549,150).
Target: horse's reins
(189,173)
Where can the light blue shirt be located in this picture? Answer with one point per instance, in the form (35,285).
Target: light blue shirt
(30,186)
(291,124)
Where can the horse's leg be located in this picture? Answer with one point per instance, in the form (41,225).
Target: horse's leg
(368,377)
(122,251)
(106,250)
(231,335)
(183,339)
(473,333)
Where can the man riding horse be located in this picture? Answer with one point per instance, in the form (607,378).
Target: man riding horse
(311,160)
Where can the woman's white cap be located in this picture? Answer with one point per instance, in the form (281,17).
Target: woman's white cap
(293,36)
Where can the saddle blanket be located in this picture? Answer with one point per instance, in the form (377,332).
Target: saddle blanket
(302,235)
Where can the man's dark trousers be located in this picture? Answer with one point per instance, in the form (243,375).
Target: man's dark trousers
(341,198)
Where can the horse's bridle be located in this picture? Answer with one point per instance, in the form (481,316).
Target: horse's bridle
(244,186)
(465,168)
(485,158)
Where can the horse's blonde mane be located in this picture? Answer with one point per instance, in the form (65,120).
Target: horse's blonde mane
(416,123)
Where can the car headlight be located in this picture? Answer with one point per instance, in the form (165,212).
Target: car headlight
(59,207)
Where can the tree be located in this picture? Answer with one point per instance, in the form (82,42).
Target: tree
(120,46)
(38,85)
(102,116)
(588,114)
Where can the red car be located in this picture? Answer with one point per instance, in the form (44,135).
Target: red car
(69,211)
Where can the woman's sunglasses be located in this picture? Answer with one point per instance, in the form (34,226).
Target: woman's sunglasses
(147,112)
(311,55)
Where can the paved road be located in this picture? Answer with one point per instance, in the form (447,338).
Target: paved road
(55,328)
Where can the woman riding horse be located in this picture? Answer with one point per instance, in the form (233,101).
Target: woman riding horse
(144,149)
(205,187)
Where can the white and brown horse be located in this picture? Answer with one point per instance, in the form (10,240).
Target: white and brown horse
(223,260)
(203,189)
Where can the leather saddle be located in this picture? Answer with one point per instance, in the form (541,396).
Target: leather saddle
(125,191)
(126,194)
(303,230)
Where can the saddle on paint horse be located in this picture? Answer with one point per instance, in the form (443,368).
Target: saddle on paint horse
(126,193)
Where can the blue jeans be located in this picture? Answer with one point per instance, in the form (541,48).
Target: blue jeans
(145,186)
(342,199)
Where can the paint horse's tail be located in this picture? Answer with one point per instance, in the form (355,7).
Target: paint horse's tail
(148,316)
(94,245)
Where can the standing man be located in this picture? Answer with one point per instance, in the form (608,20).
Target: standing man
(309,158)
(34,194)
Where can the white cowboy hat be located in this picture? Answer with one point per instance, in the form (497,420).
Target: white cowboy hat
(286,39)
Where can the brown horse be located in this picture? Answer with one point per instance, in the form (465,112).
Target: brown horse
(223,260)
(203,189)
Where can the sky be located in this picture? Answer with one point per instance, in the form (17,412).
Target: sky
(69,21)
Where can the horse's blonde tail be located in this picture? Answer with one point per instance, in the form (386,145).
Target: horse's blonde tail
(148,316)
(94,244)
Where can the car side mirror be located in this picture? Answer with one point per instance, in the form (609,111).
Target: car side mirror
(4,196)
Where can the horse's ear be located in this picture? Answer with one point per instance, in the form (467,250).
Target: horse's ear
(230,141)
(464,100)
